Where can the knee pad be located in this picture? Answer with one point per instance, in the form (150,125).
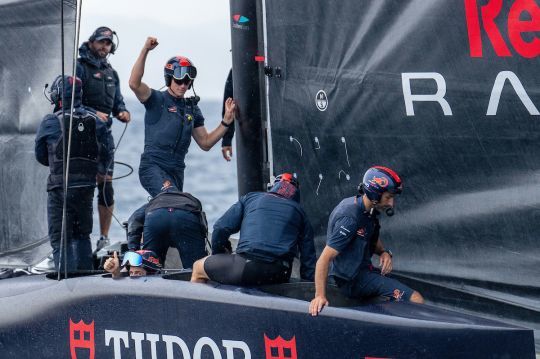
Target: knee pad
(105,194)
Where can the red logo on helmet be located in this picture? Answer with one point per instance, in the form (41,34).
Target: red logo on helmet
(81,336)
(183,61)
(280,348)
(169,66)
(287,177)
(380,181)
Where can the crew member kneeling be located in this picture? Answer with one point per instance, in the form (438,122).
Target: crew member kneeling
(353,237)
(170,219)
(273,230)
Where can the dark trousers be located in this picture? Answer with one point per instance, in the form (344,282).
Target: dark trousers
(152,174)
(170,227)
(78,226)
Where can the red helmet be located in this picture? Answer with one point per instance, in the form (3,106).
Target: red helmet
(378,180)
(179,67)
(287,177)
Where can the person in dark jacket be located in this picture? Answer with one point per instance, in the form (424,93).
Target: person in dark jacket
(101,91)
(273,230)
(170,219)
(352,239)
(171,120)
(89,144)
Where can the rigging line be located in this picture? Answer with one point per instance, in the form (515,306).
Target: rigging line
(319,185)
(316,139)
(346,153)
(67,156)
(107,170)
(291,139)
(63,248)
(345,173)
(130,168)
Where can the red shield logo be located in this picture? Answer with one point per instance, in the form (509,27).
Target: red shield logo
(81,336)
(280,348)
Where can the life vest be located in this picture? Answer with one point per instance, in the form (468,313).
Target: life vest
(84,151)
(99,87)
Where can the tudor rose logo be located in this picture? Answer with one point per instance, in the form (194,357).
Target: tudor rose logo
(280,348)
(81,336)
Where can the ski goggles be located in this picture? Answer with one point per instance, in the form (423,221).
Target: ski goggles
(133,259)
(182,71)
(185,81)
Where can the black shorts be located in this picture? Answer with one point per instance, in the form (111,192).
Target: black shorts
(236,269)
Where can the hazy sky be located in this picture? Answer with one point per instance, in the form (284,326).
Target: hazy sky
(198,29)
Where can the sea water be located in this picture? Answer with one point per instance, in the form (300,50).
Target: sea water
(207,176)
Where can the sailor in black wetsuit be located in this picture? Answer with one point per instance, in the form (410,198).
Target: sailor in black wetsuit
(273,230)
(170,219)
(89,144)
(353,237)
(101,91)
(171,120)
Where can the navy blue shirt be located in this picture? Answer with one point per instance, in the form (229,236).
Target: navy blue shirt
(169,122)
(271,227)
(350,232)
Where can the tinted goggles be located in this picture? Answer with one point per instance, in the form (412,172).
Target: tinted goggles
(182,71)
(185,81)
(133,259)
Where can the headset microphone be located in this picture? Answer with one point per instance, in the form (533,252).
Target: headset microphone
(195,98)
(389,212)
(45,94)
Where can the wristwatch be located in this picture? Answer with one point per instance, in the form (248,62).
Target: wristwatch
(389,252)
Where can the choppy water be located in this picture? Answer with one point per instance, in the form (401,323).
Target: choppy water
(208,176)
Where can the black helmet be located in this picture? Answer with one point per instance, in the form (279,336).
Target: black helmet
(55,93)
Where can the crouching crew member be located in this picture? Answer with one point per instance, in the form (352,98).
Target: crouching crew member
(135,264)
(273,230)
(352,239)
(89,144)
(171,120)
(170,219)
(101,91)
